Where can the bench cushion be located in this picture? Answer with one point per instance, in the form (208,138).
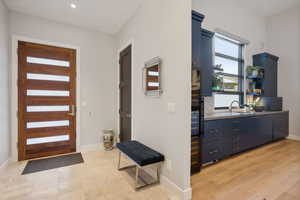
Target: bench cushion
(140,153)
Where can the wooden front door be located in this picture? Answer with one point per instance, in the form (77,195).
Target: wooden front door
(46,100)
(125,94)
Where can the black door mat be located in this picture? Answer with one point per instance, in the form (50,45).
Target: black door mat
(52,163)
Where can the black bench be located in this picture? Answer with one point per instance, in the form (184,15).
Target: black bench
(142,156)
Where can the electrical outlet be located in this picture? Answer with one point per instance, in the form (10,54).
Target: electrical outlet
(169,164)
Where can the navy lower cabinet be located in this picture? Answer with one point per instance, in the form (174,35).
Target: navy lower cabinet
(280,126)
(239,135)
(259,131)
(226,137)
(217,141)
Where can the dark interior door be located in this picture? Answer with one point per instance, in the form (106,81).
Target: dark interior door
(125,94)
(47,100)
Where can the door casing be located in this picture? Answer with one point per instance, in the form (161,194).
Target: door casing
(14,90)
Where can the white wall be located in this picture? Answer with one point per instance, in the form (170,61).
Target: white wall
(163,28)
(284,41)
(97,69)
(4,91)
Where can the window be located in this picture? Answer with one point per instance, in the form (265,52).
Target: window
(228,71)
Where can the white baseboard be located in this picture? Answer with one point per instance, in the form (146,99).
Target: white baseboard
(91,147)
(294,137)
(179,194)
(4,164)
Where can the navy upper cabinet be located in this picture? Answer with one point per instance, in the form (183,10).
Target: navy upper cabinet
(270,64)
(197,19)
(202,53)
(206,62)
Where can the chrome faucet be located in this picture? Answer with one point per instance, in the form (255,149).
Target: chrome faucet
(234,101)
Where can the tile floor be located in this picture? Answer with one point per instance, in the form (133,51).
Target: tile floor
(96,179)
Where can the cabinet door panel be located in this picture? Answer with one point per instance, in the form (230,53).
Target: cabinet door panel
(206,62)
(280,126)
(224,126)
(239,135)
(259,131)
(196,43)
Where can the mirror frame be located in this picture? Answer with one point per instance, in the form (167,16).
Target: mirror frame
(150,64)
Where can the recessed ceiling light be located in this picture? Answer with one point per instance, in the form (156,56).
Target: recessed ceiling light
(73,5)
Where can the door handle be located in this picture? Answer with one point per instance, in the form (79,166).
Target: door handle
(128,115)
(73,111)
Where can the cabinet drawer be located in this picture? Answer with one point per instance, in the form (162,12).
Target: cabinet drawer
(212,131)
(212,135)
(212,151)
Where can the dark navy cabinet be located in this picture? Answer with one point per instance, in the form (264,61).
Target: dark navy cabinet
(270,64)
(280,126)
(202,53)
(259,131)
(213,142)
(217,140)
(197,19)
(239,135)
(206,62)
(226,137)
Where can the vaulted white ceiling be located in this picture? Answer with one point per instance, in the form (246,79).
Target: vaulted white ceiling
(268,8)
(103,15)
(110,15)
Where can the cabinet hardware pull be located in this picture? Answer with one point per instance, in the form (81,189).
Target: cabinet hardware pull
(73,111)
(213,152)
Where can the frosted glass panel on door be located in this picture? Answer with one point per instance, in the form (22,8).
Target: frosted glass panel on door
(153,84)
(153,73)
(46,124)
(47,108)
(44,61)
(42,140)
(48,93)
(48,77)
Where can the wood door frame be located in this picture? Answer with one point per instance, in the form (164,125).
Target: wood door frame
(14,90)
(123,47)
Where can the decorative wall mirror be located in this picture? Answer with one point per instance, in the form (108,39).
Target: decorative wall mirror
(152,77)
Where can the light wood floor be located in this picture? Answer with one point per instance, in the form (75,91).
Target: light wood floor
(271,172)
(96,179)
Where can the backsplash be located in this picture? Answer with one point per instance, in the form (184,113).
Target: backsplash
(209,107)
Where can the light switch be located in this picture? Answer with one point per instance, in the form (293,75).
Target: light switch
(84,104)
(171,107)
